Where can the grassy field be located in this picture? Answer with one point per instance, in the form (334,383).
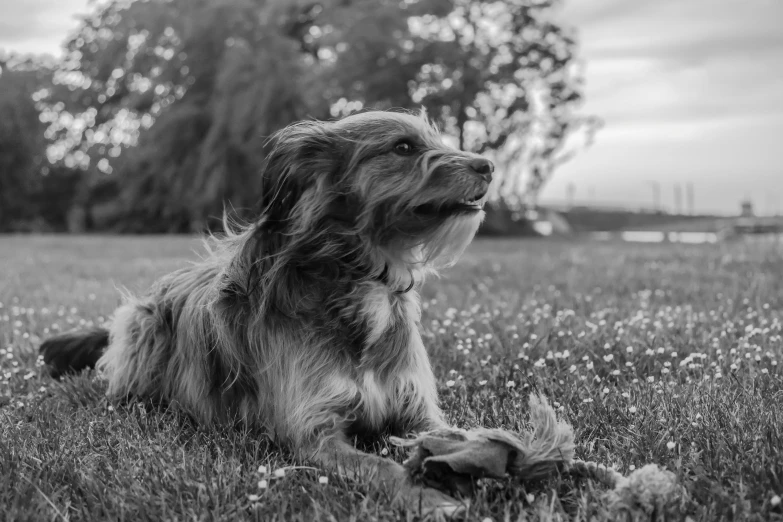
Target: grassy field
(655,353)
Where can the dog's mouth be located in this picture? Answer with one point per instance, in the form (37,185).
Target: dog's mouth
(467,205)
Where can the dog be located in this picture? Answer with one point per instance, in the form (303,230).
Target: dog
(305,322)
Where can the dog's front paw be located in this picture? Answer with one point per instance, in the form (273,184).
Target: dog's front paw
(430,503)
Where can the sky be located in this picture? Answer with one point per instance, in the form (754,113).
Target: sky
(691,91)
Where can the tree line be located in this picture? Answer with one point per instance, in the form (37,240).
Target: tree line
(156,117)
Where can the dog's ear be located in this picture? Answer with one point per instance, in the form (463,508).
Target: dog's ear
(302,156)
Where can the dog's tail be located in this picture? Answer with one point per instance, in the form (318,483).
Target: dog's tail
(74,351)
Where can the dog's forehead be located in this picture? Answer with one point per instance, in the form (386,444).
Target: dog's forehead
(384,123)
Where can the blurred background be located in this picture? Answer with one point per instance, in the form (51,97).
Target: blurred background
(648,120)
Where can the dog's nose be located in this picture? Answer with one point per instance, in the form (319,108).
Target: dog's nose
(484,167)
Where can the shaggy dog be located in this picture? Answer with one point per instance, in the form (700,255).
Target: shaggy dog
(305,323)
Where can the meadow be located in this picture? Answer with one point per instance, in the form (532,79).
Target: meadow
(665,354)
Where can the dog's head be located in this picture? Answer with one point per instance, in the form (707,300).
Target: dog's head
(384,179)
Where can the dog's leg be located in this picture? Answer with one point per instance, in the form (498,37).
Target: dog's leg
(337,455)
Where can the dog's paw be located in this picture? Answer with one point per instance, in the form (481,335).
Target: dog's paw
(431,503)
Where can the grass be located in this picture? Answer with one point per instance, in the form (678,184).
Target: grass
(655,353)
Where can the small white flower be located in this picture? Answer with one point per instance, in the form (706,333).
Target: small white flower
(384,451)
(482,382)
(631,467)
(775,501)
(449,383)
(530,498)
(671,445)
(510,384)
(323,480)
(263,484)
(279,473)
(608,357)
(632,409)
(262,470)
(253,498)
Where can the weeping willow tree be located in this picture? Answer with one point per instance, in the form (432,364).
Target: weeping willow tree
(175,100)
(22,139)
(171,101)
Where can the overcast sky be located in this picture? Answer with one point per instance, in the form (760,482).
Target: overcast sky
(691,91)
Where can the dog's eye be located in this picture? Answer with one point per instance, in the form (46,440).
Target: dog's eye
(404,148)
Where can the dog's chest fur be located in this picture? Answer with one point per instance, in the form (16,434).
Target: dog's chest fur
(393,376)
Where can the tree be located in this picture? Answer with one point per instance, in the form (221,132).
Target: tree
(22,140)
(175,98)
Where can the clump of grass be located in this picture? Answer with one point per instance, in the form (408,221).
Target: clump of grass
(653,353)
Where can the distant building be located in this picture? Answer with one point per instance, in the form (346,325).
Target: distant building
(747,209)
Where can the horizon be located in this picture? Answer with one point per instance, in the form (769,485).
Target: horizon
(681,100)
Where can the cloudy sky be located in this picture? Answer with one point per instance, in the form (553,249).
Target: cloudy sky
(691,91)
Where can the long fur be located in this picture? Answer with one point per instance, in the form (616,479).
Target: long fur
(300,323)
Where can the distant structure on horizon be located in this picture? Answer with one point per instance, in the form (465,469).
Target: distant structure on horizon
(746,209)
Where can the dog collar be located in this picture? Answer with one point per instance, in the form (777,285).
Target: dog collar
(384,278)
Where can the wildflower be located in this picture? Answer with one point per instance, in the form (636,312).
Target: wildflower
(262,470)
(530,498)
(775,501)
(510,384)
(253,498)
(632,409)
(671,445)
(605,391)
(608,357)
(280,473)
(323,480)
(385,451)
(482,382)
(631,467)
(263,484)
(650,379)
(449,383)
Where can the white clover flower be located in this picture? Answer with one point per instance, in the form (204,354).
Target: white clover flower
(632,409)
(262,470)
(323,480)
(449,383)
(671,445)
(263,484)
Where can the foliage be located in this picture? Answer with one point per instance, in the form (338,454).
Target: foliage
(176,97)
(651,358)
(22,141)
